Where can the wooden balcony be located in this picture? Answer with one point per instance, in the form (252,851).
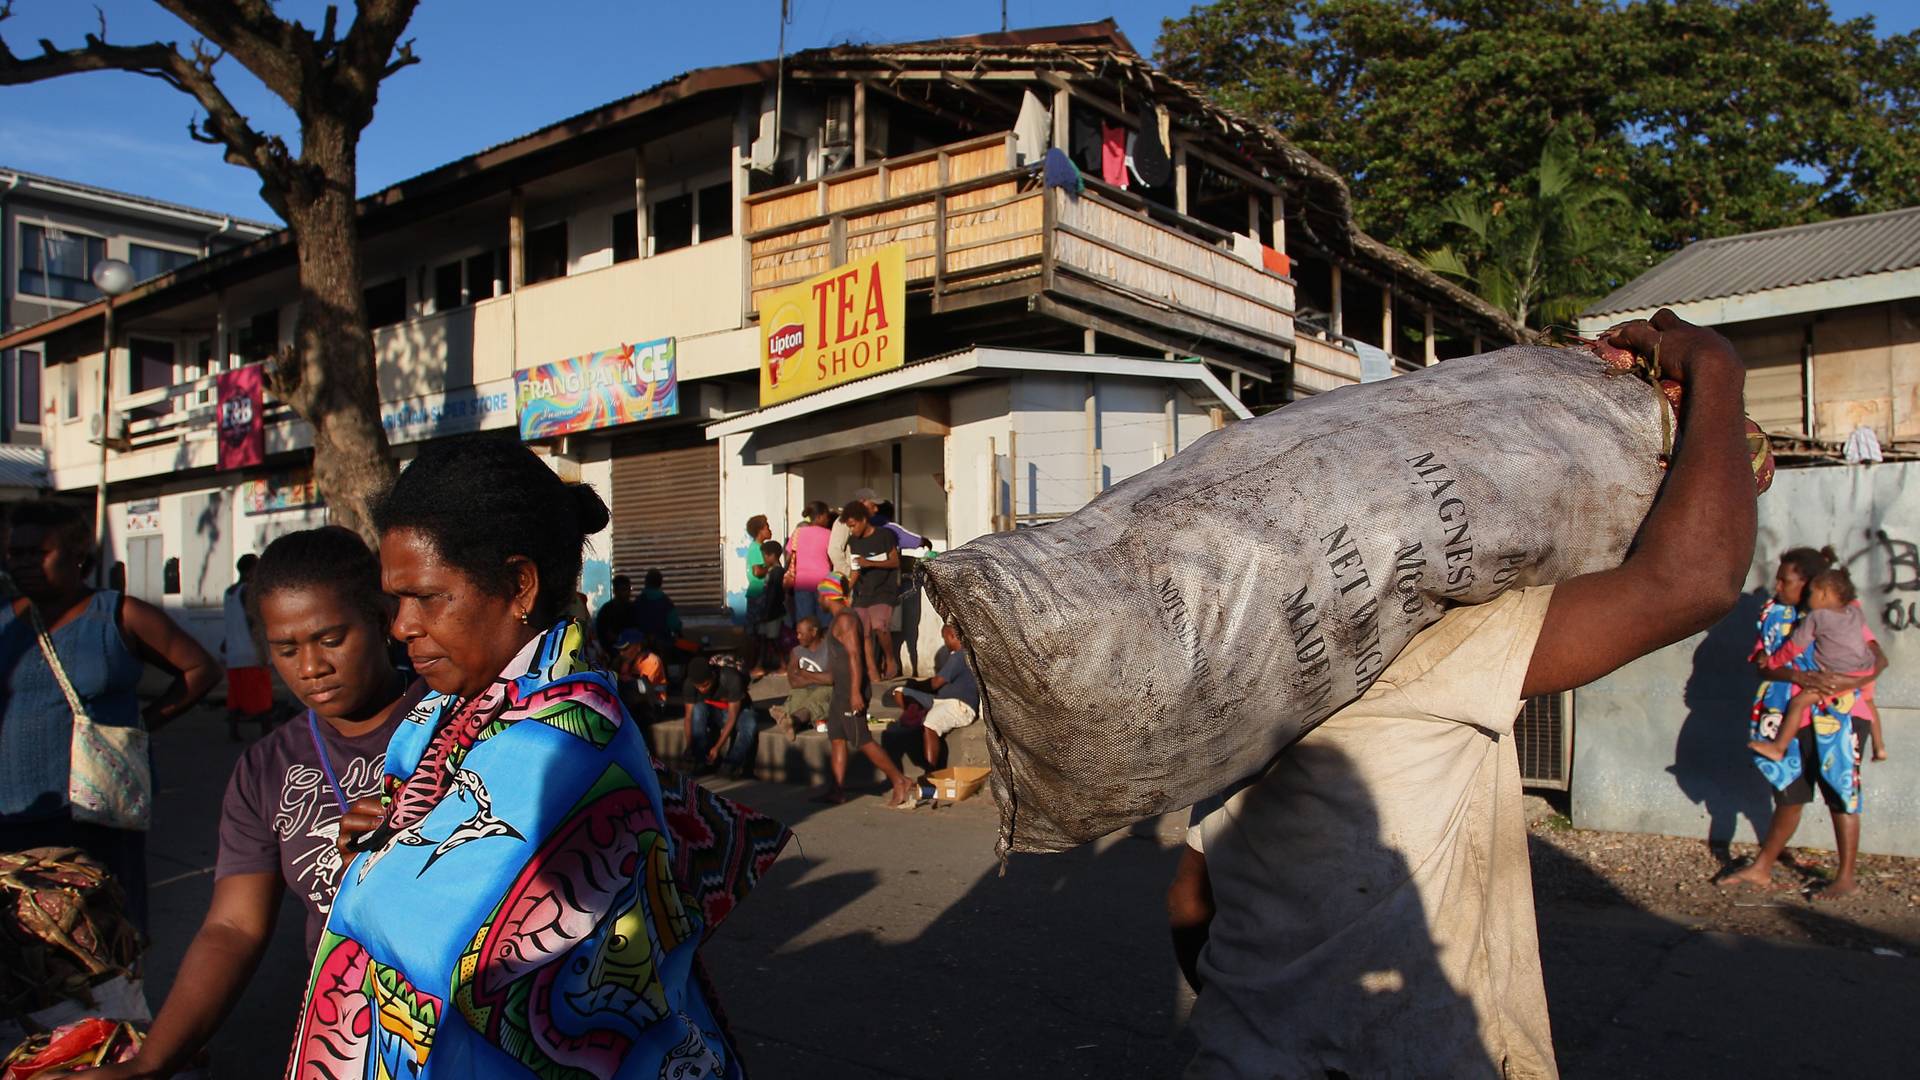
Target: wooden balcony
(980,229)
(1319,365)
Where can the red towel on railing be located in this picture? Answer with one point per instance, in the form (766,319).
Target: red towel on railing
(1275,261)
(1113,155)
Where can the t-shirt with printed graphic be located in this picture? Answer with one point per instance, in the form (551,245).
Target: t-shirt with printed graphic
(281,814)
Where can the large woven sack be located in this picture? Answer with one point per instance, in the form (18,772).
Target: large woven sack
(64,934)
(1179,631)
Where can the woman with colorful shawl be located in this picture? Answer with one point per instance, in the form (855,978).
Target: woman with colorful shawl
(1825,757)
(530,895)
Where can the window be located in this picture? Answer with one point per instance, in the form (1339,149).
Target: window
(170,576)
(626,236)
(446,287)
(27,363)
(547,253)
(672,223)
(716,212)
(480,277)
(259,339)
(152,365)
(151,262)
(59,264)
(70,406)
(151,368)
(386,303)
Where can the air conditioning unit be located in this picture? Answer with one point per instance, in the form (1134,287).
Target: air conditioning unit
(112,428)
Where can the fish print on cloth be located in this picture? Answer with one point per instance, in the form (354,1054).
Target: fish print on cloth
(1832,719)
(557,905)
(573,947)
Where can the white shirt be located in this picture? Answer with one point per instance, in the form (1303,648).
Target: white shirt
(1373,900)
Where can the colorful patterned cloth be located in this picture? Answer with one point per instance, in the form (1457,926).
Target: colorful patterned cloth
(1832,719)
(538,897)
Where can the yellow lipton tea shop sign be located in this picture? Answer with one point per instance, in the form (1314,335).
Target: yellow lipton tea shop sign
(835,327)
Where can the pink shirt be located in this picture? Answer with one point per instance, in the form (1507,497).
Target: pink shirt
(810,564)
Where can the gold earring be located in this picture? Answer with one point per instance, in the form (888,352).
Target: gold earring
(527,617)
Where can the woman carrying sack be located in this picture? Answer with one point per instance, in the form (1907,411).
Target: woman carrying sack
(74,768)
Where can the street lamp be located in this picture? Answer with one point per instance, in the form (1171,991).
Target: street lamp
(112,277)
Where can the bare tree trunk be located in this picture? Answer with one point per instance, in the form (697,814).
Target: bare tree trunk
(330,378)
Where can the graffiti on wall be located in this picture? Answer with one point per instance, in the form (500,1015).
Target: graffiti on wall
(1902,610)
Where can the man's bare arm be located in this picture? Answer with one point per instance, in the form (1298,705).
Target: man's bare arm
(1690,559)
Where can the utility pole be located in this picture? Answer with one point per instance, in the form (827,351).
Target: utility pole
(1003,16)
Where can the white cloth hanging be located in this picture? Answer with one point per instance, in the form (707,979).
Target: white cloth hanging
(1032,129)
(1862,445)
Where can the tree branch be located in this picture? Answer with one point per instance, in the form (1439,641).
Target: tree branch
(265,155)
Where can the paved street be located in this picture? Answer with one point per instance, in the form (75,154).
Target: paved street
(887,944)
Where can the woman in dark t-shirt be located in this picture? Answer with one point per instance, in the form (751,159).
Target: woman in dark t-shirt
(318,602)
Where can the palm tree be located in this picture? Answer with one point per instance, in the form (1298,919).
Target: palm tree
(1543,253)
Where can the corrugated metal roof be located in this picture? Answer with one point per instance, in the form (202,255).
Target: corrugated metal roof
(1775,259)
(23,467)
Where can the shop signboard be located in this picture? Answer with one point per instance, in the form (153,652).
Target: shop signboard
(621,385)
(293,489)
(456,412)
(143,516)
(834,327)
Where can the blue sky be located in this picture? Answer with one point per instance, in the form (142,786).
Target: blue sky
(489,72)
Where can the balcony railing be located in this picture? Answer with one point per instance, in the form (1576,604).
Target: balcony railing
(979,228)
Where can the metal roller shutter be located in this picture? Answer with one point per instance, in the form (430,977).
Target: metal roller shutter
(666,517)
(1543,736)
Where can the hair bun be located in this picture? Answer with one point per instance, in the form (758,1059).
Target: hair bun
(589,510)
(1829,554)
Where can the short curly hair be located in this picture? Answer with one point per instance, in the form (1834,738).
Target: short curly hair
(484,499)
(328,557)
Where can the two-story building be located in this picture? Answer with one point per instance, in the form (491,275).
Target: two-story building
(52,234)
(1064,326)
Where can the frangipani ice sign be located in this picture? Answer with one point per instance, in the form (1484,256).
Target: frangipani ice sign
(615,386)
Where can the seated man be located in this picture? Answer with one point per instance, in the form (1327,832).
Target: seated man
(719,708)
(810,681)
(655,615)
(953,700)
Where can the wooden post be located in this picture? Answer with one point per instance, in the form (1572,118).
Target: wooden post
(1093,437)
(1338,318)
(1280,223)
(993,485)
(1062,131)
(1253,215)
(1433,347)
(640,202)
(1087,342)
(517,240)
(1233,384)
(1386,318)
(1013,478)
(859,124)
(1180,177)
(1476,344)
(1173,425)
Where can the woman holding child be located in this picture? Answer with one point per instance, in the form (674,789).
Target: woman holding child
(1811,705)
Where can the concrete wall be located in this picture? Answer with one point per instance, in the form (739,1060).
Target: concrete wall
(1659,746)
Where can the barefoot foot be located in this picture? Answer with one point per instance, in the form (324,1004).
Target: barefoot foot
(1752,877)
(1839,890)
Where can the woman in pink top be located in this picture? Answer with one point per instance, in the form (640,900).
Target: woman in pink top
(807,558)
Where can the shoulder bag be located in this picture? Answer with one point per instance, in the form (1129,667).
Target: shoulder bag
(111,779)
